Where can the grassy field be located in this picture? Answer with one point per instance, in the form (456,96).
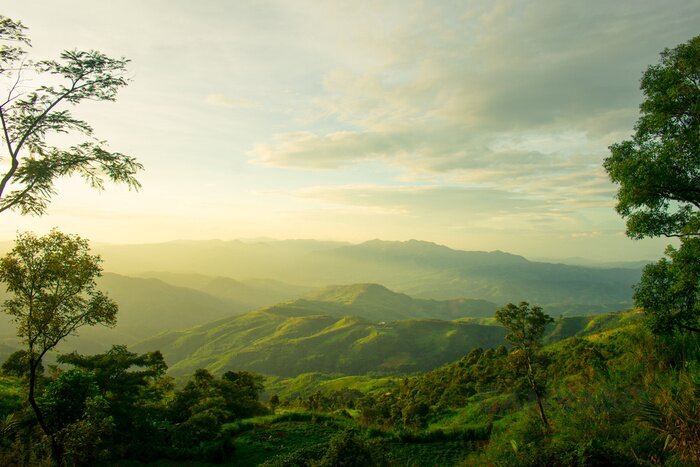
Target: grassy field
(274,440)
(10,395)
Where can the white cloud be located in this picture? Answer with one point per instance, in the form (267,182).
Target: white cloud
(487,93)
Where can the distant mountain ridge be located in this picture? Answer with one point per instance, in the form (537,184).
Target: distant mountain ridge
(376,302)
(149,306)
(418,268)
(239,295)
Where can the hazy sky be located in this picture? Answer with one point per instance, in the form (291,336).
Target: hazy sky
(480,125)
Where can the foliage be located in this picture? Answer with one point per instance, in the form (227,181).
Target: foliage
(675,414)
(17,364)
(274,402)
(133,386)
(659,168)
(10,396)
(52,282)
(347,450)
(64,399)
(670,290)
(659,174)
(29,116)
(411,405)
(525,327)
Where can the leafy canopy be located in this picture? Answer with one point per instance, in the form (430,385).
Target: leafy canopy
(524,325)
(658,170)
(33,109)
(670,290)
(52,282)
(659,175)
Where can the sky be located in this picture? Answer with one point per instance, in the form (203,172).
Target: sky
(478,125)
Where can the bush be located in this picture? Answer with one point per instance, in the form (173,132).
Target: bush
(348,450)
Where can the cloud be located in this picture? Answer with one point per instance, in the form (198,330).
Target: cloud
(418,200)
(472,208)
(486,92)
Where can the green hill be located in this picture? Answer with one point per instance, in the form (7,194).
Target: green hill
(315,331)
(349,330)
(594,328)
(278,342)
(376,302)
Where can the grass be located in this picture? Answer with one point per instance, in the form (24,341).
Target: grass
(425,454)
(306,384)
(262,438)
(10,395)
(278,437)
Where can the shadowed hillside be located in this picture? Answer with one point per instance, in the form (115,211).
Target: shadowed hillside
(146,307)
(244,295)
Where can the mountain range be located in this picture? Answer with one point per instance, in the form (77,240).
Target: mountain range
(420,269)
(344,329)
(149,306)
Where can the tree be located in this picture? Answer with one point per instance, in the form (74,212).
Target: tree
(250,384)
(658,171)
(17,364)
(78,416)
(274,402)
(128,383)
(52,282)
(524,329)
(659,168)
(29,113)
(669,291)
(347,449)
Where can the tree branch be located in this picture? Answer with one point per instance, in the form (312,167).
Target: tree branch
(13,155)
(18,198)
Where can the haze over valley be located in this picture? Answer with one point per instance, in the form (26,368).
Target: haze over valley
(177,288)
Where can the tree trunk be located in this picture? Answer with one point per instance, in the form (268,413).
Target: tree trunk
(538,396)
(545,422)
(56,452)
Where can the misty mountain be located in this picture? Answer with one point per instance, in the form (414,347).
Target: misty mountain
(376,302)
(245,295)
(420,269)
(146,307)
(591,263)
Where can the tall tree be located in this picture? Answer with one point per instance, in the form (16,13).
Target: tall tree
(33,108)
(52,282)
(658,171)
(525,326)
